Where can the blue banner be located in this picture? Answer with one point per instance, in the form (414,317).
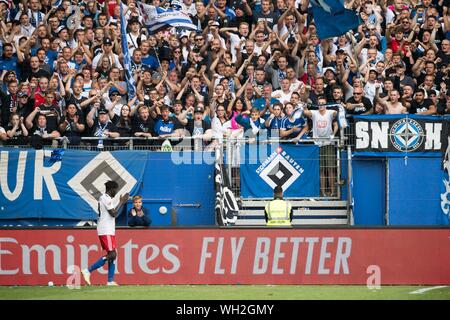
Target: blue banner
(399,136)
(34,184)
(294,167)
(332,19)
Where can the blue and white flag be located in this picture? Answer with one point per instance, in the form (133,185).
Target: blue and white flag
(157,18)
(332,19)
(56,3)
(126,56)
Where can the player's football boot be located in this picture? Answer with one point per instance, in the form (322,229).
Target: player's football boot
(87,276)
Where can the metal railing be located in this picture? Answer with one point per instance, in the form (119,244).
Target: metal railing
(329,162)
(128,143)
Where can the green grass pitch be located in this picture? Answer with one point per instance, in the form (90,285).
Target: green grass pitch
(225,292)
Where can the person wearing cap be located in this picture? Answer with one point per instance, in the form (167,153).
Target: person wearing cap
(330,78)
(197,127)
(63,35)
(101,126)
(24,104)
(107,51)
(116,102)
(134,37)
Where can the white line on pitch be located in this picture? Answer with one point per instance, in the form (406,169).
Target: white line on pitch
(420,291)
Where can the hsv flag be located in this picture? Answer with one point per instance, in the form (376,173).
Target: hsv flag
(332,19)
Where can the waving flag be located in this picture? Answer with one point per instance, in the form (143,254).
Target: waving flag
(332,19)
(126,56)
(56,3)
(157,18)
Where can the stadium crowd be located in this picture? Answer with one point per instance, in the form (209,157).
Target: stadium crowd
(250,65)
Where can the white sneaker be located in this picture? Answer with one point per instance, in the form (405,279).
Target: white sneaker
(112,283)
(87,276)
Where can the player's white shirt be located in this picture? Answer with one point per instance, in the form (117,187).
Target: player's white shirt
(106,224)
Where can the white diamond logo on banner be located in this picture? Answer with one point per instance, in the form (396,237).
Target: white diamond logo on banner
(89,182)
(279,172)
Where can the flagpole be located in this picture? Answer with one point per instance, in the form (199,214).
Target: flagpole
(125,53)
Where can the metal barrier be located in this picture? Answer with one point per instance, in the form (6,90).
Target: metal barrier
(349,138)
(330,163)
(129,143)
(330,155)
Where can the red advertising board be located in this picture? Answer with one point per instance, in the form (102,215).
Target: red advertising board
(232,256)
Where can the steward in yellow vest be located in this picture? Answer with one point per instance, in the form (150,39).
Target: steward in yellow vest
(278,212)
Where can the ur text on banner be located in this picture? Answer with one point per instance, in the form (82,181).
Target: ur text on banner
(33,185)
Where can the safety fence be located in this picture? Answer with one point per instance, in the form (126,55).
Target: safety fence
(237,152)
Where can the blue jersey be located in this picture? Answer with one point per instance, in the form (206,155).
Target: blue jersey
(151,61)
(287,124)
(248,124)
(275,125)
(260,104)
(10,64)
(166,127)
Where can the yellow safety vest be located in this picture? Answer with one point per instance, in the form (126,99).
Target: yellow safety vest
(278,213)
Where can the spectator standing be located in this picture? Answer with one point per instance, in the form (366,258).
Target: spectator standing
(324,130)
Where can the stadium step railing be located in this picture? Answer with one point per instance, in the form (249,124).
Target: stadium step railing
(306,212)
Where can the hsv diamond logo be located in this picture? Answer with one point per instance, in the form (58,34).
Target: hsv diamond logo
(280,170)
(407,135)
(89,182)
